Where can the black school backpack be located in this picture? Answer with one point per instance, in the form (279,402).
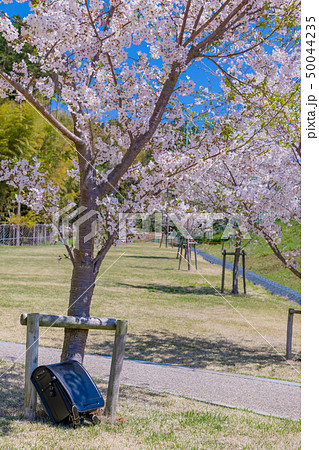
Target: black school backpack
(68,392)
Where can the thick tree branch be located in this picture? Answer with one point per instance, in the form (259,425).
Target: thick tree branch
(41,109)
(139,142)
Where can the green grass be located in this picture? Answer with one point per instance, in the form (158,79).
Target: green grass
(146,420)
(174,316)
(260,258)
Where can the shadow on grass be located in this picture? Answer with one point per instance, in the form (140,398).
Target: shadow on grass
(11,396)
(148,257)
(204,290)
(143,396)
(170,348)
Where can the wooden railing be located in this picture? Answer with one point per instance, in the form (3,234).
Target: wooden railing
(34,320)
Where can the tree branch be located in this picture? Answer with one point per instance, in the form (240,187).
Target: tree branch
(41,109)
(103,251)
(180,39)
(231,174)
(64,243)
(91,21)
(231,55)
(139,141)
(45,57)
(205,25)
(222,27)
(198,19)
(277,252)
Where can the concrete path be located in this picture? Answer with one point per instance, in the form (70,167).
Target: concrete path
(271,286)
(261,395)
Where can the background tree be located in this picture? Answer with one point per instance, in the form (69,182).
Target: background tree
(258,180)
(24,134)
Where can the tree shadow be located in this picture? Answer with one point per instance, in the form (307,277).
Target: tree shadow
(170,348)
(139,395)
(148,257)
(185,290)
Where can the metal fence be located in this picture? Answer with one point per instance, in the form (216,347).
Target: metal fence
(24,235)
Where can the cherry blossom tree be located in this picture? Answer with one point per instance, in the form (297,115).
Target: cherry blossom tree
(261,192)
(257,181)
(122,69)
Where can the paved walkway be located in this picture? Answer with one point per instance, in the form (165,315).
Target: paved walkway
(271,286)
(261,395)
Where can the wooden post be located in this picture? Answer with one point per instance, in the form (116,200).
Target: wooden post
(116,368)
(18,224)
(178,247)
(181,254)
(289,333)
(195,254)
(290,322)
(188,255)
(244,271)
(31,362)
(223,272)
(237,254)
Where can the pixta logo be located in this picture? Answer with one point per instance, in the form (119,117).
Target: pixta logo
(67,229)
(187,225)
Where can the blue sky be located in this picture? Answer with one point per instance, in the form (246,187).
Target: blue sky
(196,73)
(16,8)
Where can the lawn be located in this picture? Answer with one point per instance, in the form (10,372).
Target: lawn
(174,316)
(146,420)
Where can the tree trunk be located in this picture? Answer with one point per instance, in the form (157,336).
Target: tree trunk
(236,266)
(81,292)
(83,275)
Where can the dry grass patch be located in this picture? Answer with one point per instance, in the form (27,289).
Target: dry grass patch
(174,316)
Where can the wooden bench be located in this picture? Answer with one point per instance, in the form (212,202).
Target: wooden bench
(34,320)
